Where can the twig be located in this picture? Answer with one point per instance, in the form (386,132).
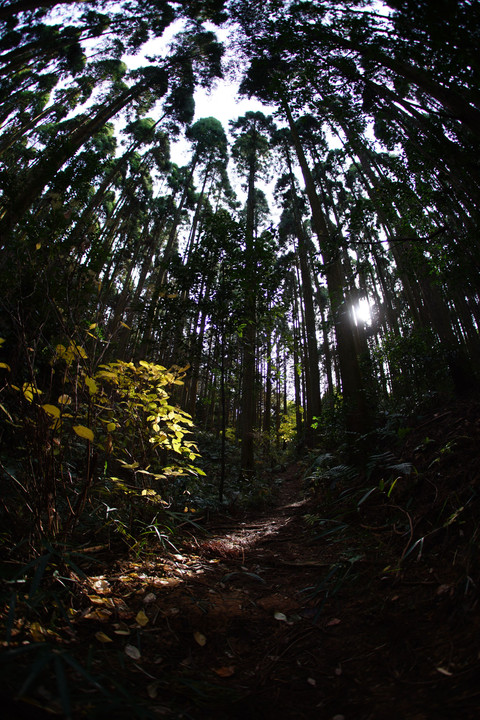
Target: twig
(152,677)
(410,522)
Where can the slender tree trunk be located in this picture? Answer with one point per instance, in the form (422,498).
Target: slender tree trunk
(52,161)
(357,416)
(314,403)
(451,98)
(249,344)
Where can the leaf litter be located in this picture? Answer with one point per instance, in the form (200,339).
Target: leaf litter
(259,620)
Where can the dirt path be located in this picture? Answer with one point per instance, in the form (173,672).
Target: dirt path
(258,620)
(234,631)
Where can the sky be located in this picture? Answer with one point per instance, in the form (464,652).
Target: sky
(221,103)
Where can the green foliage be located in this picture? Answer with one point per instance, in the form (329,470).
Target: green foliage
(287,430)
(119,418)
(325,474)
(331,424)
(138,418)
(407,357)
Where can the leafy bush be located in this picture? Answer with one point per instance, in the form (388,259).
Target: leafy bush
(116,425)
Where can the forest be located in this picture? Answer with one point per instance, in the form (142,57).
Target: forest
(239,361)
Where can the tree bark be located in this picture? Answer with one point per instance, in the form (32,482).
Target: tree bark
(357,417)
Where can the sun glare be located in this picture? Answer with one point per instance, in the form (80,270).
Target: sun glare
(362,312)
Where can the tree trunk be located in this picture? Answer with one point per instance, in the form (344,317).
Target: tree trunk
(52,161)
(249,343)
(357,417)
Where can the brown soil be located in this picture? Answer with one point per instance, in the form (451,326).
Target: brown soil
(266,616)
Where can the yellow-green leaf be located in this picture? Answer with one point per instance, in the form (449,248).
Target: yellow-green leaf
(30,391)
(182,369)
(64,400)
(200,638)
(101,637)
(129,466)
(92,385)
(38,632)
(52,410)
(4,365)
(60,351)
(141,618)
(111,426)
(83,432)
(78,350)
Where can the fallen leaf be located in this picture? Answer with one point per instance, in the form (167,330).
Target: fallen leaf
(141,618)
(123,611)
(224,671)
(333,621)
(121,629)
(101,585)
(152,689)
(170,582)
(38,632)
(442,589)
(97,614)
(444,671)
(132,652)
(97,600)
(200,639)
(149,598)
(101,637)
(272,602)
(280,616)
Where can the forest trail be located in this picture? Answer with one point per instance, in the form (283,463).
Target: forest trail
(258,619)
(258,616)
(237,623)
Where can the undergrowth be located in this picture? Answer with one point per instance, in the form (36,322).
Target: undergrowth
(401,505)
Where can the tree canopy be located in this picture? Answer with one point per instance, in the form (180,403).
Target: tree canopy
(316,266)
(186,306)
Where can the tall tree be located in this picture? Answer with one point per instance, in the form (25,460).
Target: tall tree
(250,150)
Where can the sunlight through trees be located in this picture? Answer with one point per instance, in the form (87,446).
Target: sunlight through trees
(321,253)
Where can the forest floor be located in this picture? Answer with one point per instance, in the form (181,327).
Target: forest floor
(267,614)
